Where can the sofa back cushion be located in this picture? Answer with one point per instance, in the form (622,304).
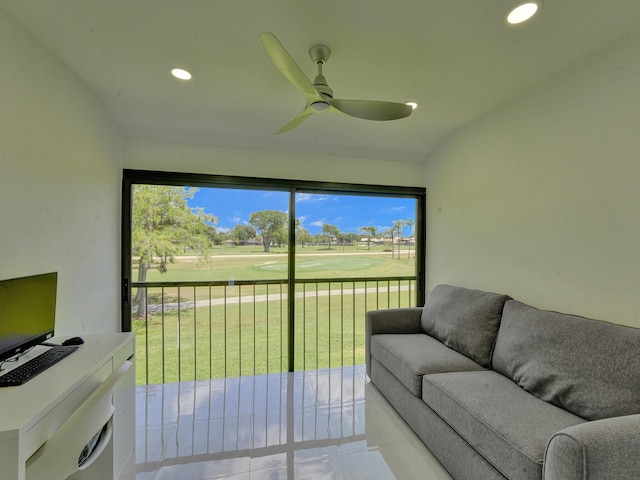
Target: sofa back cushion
(465,320)
(588,367)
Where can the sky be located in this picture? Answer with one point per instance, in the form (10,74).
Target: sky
(347,212)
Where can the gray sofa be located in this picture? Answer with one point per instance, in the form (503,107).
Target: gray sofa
(498,389)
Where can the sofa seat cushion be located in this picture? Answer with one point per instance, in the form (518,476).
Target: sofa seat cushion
(509,427)
(409,356)
(465,320)
(588,367)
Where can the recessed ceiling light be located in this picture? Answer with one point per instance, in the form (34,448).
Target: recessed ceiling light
(523,12)
(181,73)
(413,105)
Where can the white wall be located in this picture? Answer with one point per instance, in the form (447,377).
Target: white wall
(541,199)
(152,155)
(60,181)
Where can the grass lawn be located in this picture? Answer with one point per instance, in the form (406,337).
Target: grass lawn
(225,338)
(252,263)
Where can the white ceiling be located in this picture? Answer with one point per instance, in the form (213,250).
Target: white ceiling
(457,58)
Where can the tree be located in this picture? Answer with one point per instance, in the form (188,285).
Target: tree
(302,234)
(320,238)
(331,231)
(409,223)
(370,232)
(163,226)
(270,224)
(351,238)
(222,237)
(215,237)
(242,233)
(398,226)
(281,237)
(390,233)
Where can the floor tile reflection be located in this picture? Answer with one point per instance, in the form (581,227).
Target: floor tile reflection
(324,424)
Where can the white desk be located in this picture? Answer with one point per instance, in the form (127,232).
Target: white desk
(35,412)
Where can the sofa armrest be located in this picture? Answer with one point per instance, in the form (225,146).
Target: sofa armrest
(393,320)
(595,450)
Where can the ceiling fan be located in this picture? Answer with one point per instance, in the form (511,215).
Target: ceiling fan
(318,93)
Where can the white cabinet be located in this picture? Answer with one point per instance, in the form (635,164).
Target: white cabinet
(45,423)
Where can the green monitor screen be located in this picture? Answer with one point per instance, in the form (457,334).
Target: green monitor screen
(27,312)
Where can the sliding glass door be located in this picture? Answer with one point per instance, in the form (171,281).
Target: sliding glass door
(229,276)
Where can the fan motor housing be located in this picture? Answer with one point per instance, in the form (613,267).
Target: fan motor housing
(320,106)
(319,53)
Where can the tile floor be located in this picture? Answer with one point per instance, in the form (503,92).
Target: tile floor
(325,424)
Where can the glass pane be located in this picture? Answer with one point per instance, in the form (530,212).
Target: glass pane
(353,254)
(215,262)
(202,234)
(340,236)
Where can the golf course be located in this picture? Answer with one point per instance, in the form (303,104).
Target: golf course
(227,314)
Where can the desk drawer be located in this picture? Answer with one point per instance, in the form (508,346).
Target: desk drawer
(41,431)
(124,354)
(59,456)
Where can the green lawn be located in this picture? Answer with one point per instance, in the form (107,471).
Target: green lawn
(252,263)
(231,338)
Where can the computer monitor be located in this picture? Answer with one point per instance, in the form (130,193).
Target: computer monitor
(27,312)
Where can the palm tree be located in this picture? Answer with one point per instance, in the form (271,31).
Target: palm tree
(398,225)
(390,233)
(409,223)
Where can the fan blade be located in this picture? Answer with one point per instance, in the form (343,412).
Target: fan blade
(371,109)
(287,66)
(297,120)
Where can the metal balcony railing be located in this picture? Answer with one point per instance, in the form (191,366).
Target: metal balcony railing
(219,329)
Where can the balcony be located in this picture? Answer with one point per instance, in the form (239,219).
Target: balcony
(227,388)
(218,329)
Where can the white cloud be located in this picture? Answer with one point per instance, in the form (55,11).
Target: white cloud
(310,197)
